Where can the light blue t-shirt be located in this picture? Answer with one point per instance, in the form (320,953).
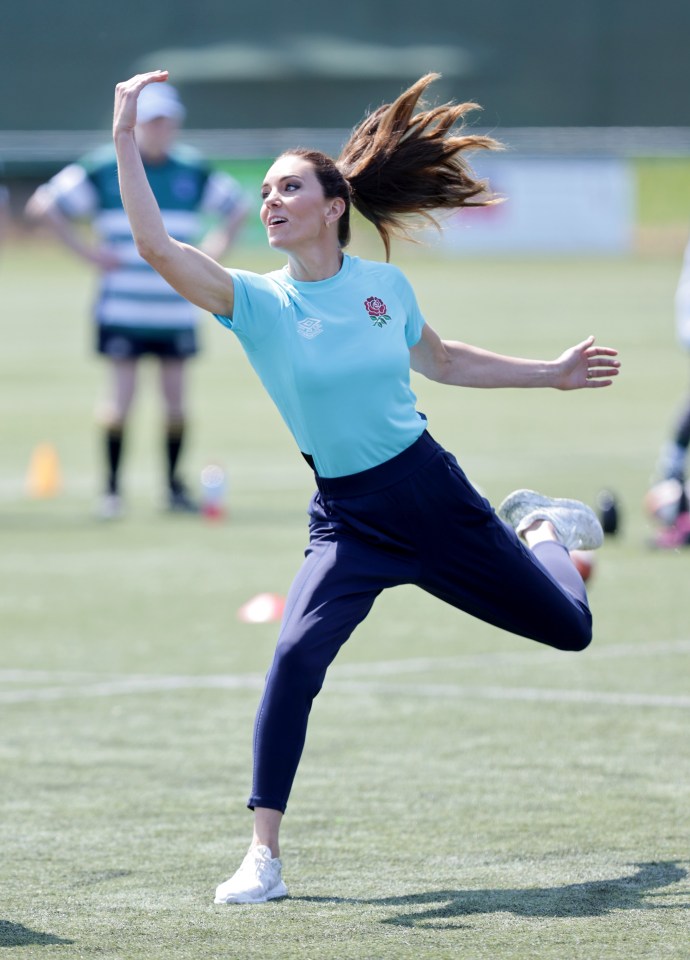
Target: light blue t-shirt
(334,356)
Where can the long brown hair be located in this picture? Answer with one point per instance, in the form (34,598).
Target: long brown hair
(397,165)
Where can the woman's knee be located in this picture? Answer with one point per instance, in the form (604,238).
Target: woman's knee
(297,664)
(577,636)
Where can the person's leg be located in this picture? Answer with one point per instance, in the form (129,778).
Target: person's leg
(542,539)
(322,608)
(172,376)
(681,435)
(173,388)
(267,829)
(332,593)
(475,562)
(123,375)
(673,458)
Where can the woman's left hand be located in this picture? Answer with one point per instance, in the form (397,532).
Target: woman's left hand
(586,365)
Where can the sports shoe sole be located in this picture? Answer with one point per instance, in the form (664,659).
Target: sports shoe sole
(577,526)
(278,891)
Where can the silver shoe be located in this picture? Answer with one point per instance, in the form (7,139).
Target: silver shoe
(576,525)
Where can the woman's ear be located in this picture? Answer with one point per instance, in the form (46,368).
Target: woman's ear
(335,209)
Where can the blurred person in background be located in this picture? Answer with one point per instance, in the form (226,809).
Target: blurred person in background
(669,496)
(137,313)
(4,213)
(333,338)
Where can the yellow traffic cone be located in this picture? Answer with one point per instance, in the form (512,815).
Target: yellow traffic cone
(43,478)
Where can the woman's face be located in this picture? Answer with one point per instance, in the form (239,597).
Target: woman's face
(295,211)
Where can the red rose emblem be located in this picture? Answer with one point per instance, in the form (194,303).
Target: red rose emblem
(377,310)
(375,307)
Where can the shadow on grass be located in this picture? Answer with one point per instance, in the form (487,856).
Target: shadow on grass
(16,935)
(594,899)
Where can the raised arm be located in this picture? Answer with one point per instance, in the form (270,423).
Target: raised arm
(194,275)
(584,365)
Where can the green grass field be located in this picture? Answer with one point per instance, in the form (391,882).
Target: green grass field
(463,793)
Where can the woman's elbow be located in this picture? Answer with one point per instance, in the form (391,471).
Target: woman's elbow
(441,370)
(155,251)
(433,366)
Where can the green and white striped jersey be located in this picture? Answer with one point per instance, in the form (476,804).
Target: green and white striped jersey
(133,295)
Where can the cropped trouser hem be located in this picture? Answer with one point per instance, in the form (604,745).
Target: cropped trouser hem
(266,802)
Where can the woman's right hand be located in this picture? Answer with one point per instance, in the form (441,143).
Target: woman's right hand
(126,96)
(195,276)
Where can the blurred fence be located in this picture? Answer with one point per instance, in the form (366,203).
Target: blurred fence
(568,189)
(28,152)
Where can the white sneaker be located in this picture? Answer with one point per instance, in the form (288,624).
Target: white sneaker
(257,880)
(576,524)
(110,507)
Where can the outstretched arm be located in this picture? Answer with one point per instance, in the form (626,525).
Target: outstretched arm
(192,273)
(452,362)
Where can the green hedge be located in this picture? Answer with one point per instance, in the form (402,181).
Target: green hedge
(663,191)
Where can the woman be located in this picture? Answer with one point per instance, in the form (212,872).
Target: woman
(333,339)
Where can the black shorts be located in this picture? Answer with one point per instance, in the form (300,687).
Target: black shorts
(123,343)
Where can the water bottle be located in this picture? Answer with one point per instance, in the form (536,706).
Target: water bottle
(213,492)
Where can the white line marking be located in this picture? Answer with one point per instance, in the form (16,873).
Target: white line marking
(125,686)
(458,692)
(83,684)
(376,668)
(38,676)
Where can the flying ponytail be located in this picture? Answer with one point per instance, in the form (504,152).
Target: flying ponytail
(398,165)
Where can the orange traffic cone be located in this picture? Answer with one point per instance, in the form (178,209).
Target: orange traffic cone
(43,478)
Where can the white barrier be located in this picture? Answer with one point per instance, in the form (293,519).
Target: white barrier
(553,205)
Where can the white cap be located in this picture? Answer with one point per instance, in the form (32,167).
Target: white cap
(159,100)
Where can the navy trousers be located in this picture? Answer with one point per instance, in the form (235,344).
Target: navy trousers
(415,519)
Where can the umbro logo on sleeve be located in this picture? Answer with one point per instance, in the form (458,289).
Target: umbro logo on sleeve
(309,328)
